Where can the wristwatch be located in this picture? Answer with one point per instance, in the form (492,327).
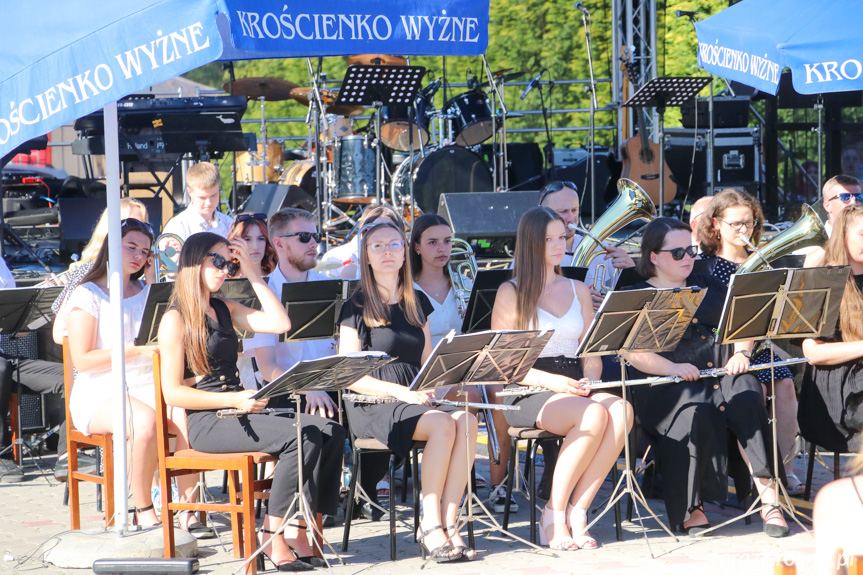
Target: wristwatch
(745,353)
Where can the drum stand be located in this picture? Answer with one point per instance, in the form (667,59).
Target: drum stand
(502,166)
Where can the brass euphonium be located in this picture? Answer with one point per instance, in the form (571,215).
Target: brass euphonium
(632,204)
(808,230)
(163,261)
(462,273)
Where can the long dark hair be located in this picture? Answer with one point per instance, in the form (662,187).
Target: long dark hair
(100,264)
(851,308)
(528,268)
(190,298)
(240,229)
(653,240)
(423,223)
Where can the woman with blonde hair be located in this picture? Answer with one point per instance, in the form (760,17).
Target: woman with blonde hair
(593,428)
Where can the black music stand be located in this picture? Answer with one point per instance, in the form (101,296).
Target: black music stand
(637,321)
(484,358)
(661,93)
(477,316)
(379,86)
(241,291)
(333,373)
(780,304)
(314,308)
(23,310)
(154,309)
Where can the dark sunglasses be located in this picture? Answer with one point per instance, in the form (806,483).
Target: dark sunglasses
(678,253)
(845,197)
(132,222)
(250,217)
(304,237)
(556,187)
(220,263)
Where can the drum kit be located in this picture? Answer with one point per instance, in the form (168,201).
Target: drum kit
(432,150)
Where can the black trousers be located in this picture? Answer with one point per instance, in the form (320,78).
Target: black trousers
(276,434)
(36,376)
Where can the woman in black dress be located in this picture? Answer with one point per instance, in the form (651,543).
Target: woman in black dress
(689,420)
(731,216)
(386,314)
(199,373)
(831,413)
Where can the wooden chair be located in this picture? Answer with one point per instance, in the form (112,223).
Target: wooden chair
(243,489)
(76,440)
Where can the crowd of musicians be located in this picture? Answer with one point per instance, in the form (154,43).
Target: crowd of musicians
(701,430)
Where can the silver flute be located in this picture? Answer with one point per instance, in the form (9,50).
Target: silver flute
(373,399)
(228,413)
(657,380)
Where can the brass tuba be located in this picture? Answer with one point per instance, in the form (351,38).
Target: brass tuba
(163,261)
(808,230)
(632,204)
(462,273)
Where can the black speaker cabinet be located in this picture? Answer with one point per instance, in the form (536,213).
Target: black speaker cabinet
(32,413)
(270,198)
(607,174)
(78,217)
(487,220)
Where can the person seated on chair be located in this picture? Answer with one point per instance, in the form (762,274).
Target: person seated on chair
(387,314)
(343,260)
(593,428)
(689,420)
(830,413)
(199,348)
(88,320)
(697,210)
(836,517)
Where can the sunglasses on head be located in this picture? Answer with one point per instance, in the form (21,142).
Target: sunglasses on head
(132,222)
(304,237)
(556,187)
(220,263)
(678,253)
(250,217)
(845,197)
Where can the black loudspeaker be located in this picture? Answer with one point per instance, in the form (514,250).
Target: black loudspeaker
(32,413)
(487,220)
(525,164)
(270,198)
(78,217)
(607,173)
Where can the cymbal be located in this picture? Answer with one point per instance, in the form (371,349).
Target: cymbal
(384,60)
(271,89)
(302,95)
(504,77)
(501,72)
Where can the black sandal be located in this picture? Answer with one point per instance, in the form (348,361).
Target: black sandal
(695,529)
(291,566)
(445,553)
(467,553)
(195,528)
(312,560)
(137,510)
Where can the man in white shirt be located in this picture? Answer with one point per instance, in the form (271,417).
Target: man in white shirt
(295,238)
(203,184)
(837,193)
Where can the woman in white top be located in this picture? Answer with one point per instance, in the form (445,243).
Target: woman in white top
(593,427)
(90,323)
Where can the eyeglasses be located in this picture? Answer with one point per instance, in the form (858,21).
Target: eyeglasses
(739,226)
(220,263)
(250,217)
(304,237)
(678,253)
(556,187)
(383,247)
(132,222)
(845,197)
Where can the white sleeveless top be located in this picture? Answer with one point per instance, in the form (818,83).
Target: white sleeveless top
(444,318)
(567,328)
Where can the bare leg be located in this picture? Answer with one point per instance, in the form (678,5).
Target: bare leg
(438,430)
(769,496)
(456,478)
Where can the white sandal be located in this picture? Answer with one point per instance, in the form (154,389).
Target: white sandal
(584,540)
(557,518)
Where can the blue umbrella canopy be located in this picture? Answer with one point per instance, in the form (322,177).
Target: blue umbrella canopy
(754,40)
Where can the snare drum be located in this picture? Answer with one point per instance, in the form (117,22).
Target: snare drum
(354,169)
(396,123)
(472,119)
(338,127)
(250,170)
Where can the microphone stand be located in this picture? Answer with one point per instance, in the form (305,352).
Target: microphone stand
(549,146)
(591,126)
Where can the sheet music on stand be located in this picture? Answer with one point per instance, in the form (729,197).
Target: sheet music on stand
(314,308)
(332,373)
(241,291)
(27,309)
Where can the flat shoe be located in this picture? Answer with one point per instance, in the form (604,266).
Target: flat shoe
(199,531)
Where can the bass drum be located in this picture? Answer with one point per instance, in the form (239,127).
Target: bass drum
(302,175)
(452,170)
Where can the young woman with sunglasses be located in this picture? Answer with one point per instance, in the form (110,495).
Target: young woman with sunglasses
(689,421)
(731,216)
(88,318)
(830,413)
(252,229)
(199,373)
(593,427)
(387,314)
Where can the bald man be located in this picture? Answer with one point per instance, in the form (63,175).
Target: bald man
(695,212)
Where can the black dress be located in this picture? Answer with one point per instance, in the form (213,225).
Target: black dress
(390,423)
(689,421)
(831,402)
(276,434)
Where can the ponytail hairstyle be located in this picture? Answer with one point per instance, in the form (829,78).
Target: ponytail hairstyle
(528,269)
(191,298)
(851,308)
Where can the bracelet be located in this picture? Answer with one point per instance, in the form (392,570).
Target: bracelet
(745,353)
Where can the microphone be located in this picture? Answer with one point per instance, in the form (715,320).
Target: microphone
(533,83)
(581,7)
(687,13)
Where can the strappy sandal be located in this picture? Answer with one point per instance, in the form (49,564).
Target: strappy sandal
(444,553)
(135,511)
(307,559)
(467,553)
(695,529)
(584,541)
(557,518)
(290,566)
(194,527)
